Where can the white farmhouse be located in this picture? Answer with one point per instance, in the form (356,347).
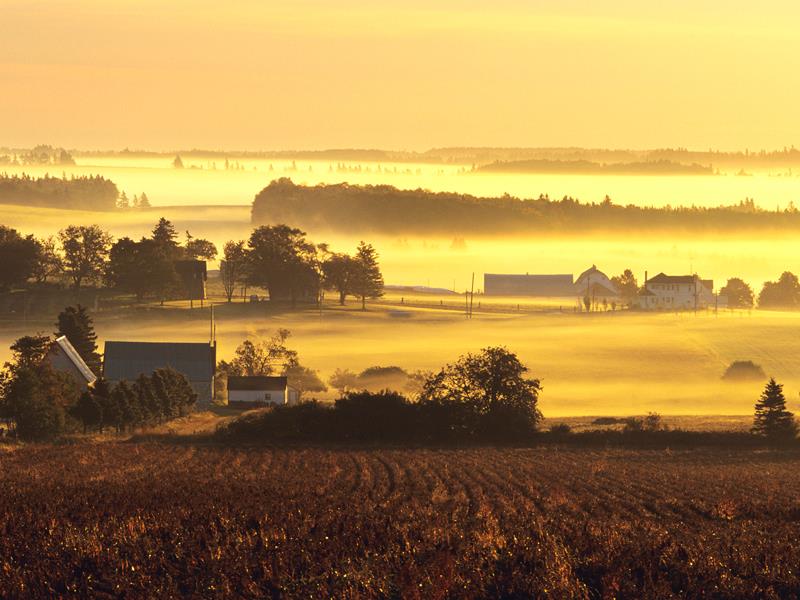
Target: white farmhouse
(254,391)
(677,292)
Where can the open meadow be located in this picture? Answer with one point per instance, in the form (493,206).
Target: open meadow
(161,520)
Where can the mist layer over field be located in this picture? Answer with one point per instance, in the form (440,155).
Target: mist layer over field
(206,181)
(612,363)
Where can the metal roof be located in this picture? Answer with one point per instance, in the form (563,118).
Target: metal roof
(256,383)
(69,351)
(128,360)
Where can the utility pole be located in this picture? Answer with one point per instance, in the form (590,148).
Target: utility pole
(471,295)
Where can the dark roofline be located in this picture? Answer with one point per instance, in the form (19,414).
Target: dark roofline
(256,383)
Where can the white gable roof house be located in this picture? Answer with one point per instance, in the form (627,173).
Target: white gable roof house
(677,292)
(63,357)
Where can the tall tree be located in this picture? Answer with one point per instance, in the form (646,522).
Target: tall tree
(144,201)
(122,202)
(177,163)
(340,273)
(784,293)
(494,388)
(232,268)
(141,268)
(739,294)
(166,238)
(368,281)
(75,323)
(18,257)
(283,261)
(198,248)
(771,419)
(48,262)
(627,286)
(85,249)
(262,357)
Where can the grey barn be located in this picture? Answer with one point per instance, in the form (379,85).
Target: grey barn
(125,361)
(528,285)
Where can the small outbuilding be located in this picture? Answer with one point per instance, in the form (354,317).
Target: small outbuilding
(63,357)
(260,390)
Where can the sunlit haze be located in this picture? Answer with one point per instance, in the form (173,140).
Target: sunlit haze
(257,74)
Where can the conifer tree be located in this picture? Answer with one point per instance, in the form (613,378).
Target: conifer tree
(75,323)
(772,420)
(368,281)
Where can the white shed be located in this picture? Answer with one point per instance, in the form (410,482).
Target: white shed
(255,391)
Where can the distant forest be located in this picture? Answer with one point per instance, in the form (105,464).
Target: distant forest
(784,159)
(388,210)
(586,167)
(85,192)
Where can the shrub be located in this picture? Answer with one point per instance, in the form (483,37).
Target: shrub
(744,370)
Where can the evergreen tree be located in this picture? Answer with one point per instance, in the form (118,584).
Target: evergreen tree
(772,420)
(165,236)
(368,281)
(88,411)
(75,323)
(144,201)
(178,162)
(122,201)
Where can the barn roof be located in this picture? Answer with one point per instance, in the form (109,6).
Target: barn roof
(664,278)
(128,360)
(256,383)
(69,351)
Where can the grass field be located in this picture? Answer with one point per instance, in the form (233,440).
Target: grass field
(133,520)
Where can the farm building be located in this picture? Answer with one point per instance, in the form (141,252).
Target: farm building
(677,292)
(527,285)
(259,391)
(591,282)
(63,357)
(125,361)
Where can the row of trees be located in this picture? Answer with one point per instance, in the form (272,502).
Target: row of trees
(380,208)
(81,192)
(486,396)
(87,255)
(283,261)
(150,400)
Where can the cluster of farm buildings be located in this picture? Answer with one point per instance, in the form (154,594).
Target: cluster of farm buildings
(662,292)
(126,361)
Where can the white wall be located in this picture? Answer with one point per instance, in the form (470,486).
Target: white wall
(273,396)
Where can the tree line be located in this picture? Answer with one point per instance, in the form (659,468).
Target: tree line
(277,258)
(44,403)
(87,255)
(90,192)
(386,209)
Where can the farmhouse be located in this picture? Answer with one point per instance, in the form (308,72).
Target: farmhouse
(63,357)
(676,292)
(125,361)
(256,391)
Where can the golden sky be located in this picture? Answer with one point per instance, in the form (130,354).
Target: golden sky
(262,74)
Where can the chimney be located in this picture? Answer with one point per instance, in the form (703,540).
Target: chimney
(645,279)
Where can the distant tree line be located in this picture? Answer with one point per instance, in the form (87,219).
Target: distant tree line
(486,396)
(388,210)
(586,167)
(81,192)
(44,403)
(38,155)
